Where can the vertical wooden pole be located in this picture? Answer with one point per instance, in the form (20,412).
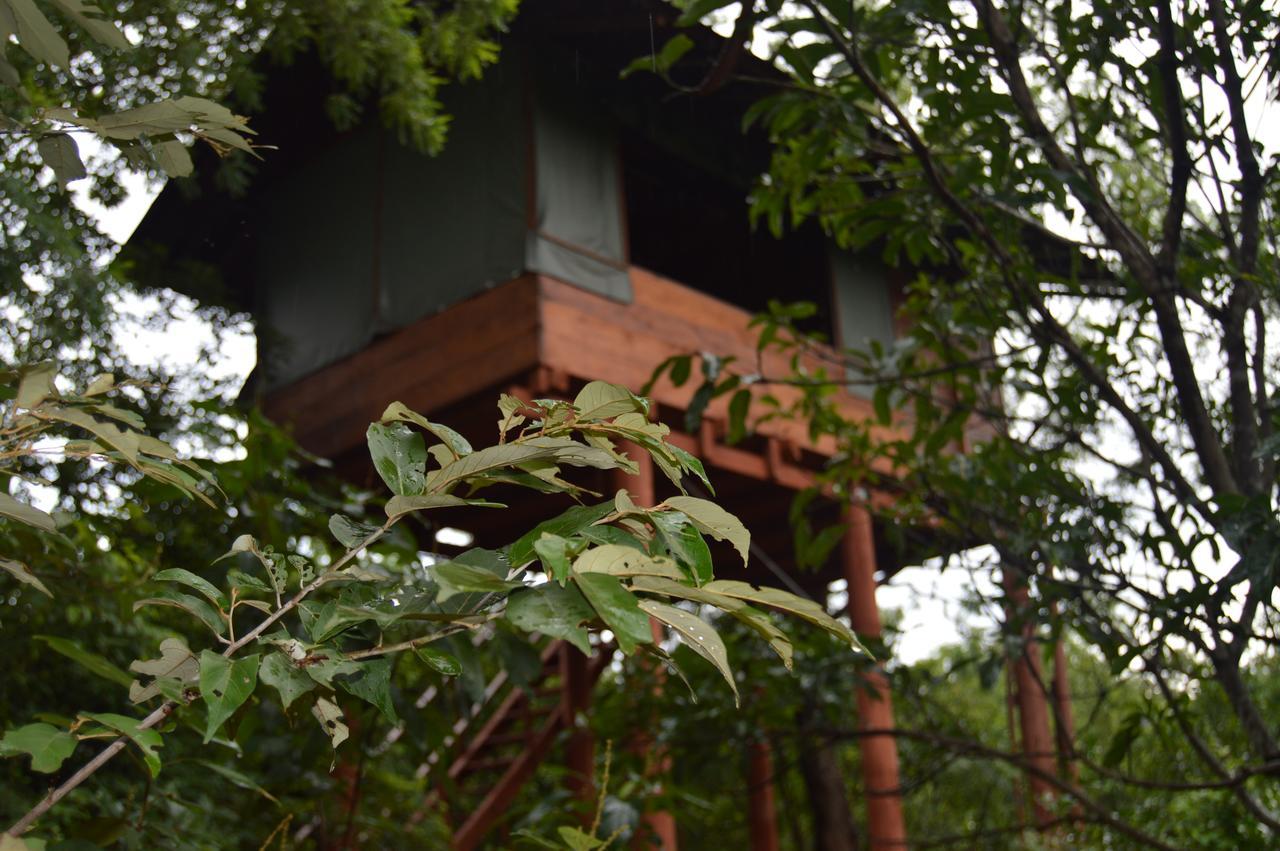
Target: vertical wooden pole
(1065,723)
(575,696)
(762,814)
(1031,697)
(657,827)
(885,825)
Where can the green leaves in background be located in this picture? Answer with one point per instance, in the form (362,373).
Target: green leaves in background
(44,743)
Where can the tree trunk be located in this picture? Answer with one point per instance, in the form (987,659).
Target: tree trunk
(833,827)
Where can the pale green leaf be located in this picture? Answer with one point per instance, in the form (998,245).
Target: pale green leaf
(59,152)
(176,665)
(600,400)
(173,158)
(785,601)
(713,520)
(330,718)
(618,560)
(698,634)
(23,513)
(92,19)
(23,574)
(37,36)
(36,385)
(401,505)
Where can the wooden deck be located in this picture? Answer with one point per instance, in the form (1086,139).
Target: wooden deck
(546,336)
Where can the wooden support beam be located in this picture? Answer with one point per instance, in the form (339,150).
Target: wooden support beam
(762,814)
(885,825)
(575,697)
(1031,698)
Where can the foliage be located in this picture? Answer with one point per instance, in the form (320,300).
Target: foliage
(1078,202)
(313,628)
(145,77)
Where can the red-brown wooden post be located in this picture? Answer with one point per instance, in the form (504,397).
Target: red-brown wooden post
(575,698)
(1031,695)
(885,825)
(762,814)
(657,828)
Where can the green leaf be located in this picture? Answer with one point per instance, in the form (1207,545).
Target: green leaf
(371,682)
(685,543)
(617,607)
(400,505)
(186,577)
(400,457)
(207,614)
(330,718)
(225,685)
(713,520)
(552,551)
(37,36)
(565,525)
(91,662)
(350,533)
(59,152)
(456,578)
(146,740)
(47,746)
(176,665)
(173,158)
(20,572)
(505,455)
(456,443)
(757,620)
(92,19)
(575,839)
(617,560)
(280,672)
(237,778)
(37,384)
(600,400)
(661,62)
(698,634)
(23,513)
(552,610)
(439,661)
(127,443)
(800,607)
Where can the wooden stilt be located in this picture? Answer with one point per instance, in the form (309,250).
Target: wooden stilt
(885,825)
(575,696)
(762,815)
(1031,693)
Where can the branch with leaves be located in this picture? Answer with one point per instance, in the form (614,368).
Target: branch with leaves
(608,566)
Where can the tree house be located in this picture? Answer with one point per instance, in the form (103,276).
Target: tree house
(578,226)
